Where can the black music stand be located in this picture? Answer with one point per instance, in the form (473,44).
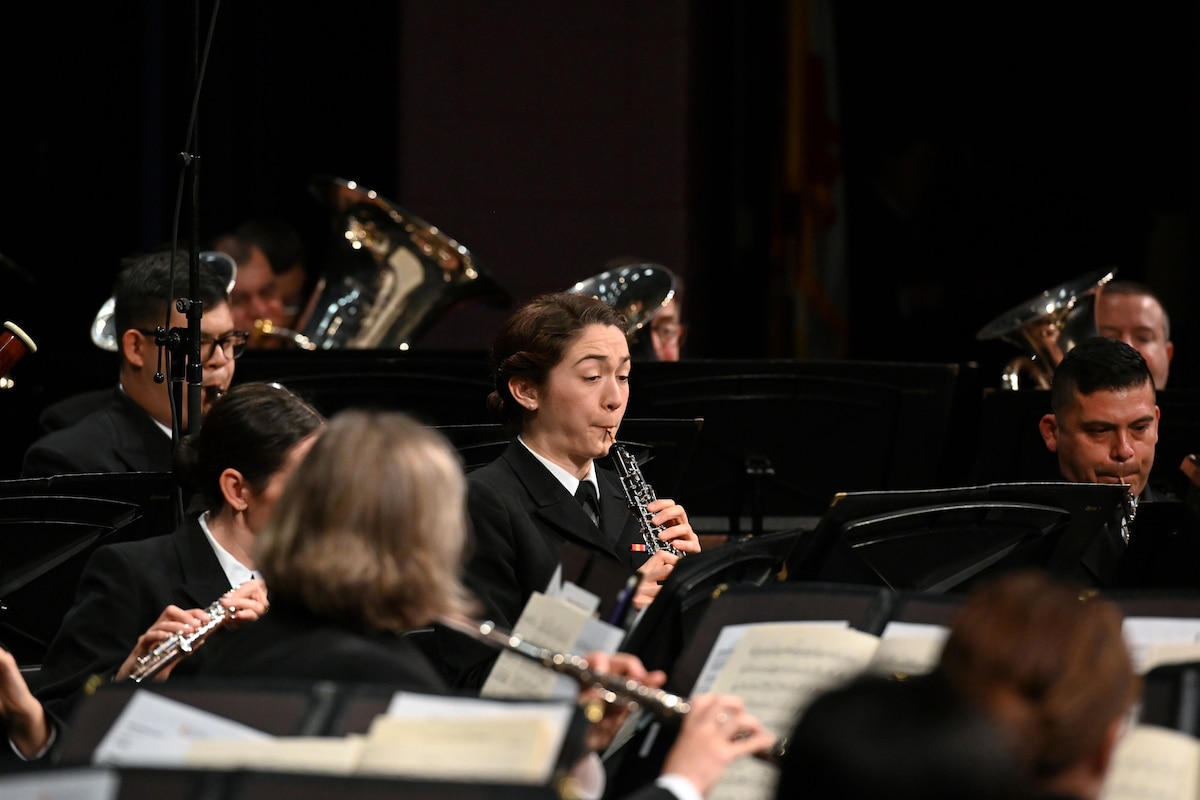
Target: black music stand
(779,444)
(49,528)
(445,389)
(637,762)
(1171,697)
(947,539)
(667,624)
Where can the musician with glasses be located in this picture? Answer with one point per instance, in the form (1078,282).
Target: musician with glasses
(561,368)
(131,431)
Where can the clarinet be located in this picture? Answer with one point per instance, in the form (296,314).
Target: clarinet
(178,645)
(639,494)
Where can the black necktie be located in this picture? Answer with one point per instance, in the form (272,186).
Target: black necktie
(587,497)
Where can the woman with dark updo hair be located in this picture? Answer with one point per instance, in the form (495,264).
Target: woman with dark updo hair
(561,371)
(134,595)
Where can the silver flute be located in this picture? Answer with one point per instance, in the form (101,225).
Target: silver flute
(639,494)
(612,688)
(178,645)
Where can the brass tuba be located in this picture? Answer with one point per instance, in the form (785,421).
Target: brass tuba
(388,277)
(638,291)
(1045,327)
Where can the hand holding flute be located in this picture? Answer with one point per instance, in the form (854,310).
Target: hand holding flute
(155,654)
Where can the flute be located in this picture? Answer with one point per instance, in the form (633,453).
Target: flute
(612,687)
(178,645)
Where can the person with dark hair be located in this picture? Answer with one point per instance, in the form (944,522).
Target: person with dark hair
(914,739)
(1103,427)
(561,369)
(1047,660)
(134,595)
(254,299)
(1131,312)
(132,432)
(285,250)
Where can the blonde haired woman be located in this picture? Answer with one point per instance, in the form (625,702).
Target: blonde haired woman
(366,543)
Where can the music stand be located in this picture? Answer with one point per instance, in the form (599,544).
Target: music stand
(447,389)
(49,528)
(667,624)
(947,539)
(779,444)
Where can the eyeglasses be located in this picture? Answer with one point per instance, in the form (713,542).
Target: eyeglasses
(233,344)
(669,332)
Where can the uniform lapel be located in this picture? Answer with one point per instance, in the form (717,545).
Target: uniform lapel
(554,505)
(203,579)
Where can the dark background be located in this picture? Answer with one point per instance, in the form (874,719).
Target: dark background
(1018,151)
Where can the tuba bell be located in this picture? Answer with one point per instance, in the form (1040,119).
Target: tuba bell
(638,291)
(389,275)
(1046,327)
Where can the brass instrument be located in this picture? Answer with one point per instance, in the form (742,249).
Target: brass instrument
(639,494)
(1046,327)
(14,345)
(638,291)
(389,275)
(613,688)
(178,645)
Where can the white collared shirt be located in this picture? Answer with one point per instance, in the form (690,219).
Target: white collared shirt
(237,572)
(569,481)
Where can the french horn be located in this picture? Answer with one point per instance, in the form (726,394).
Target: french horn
(389,275)
(1046,327)
(638,291)
(104,332)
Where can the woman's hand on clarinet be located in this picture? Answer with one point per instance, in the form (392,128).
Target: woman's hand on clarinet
(717,731)
(625,665)
(674,520)
(676,530)
(247,602)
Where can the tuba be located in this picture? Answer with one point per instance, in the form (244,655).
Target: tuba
(1045,327)
(638,291)
(388,277)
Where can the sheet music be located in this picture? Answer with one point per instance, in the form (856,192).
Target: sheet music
(153,730)
(469,739)
(1161,640)
(908,648)
(557,625)
(777,668)
(728,638)
(61,784)
(1153,763)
